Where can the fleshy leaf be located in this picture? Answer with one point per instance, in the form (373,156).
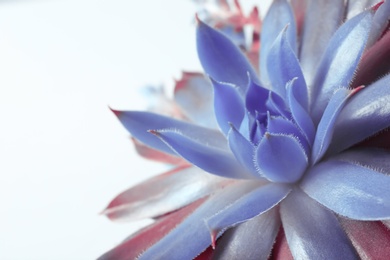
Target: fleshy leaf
(279,15)
(350,190)
(281,125)
(138,123)
(252,239)
(256,98)
(375,62)
(283,66)
(162,194)
(228,105)
(193,94)
(364,114)
(326,126)
(221,59)
(132,247)
(156,155)
(247,207)
(299,114)
(374,158)
(281,251)
(203,155)
(312,231)
(299,8)
(356,7)
(379,23)
(281,158)
(317,33)
(242,149)
(177,244)
(371,239)
(340,61)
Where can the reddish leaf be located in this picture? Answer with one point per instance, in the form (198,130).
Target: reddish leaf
(141,241)
(281,251)
(375,63)
(370,238)
(153,154)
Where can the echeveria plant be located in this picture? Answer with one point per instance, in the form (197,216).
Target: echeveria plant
(280,149)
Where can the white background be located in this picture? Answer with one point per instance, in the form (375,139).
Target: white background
(63,154)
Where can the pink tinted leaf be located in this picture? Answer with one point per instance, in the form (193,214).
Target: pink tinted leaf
(375,63)
(142,240)
(371,239)
(206,255)
(281,250)
(162,194)
(192,237)
(156,155)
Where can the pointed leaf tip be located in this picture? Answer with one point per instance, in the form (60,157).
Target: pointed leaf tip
(117,113)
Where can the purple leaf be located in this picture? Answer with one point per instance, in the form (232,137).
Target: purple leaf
(279,15)
(228,105)
(203,155)
(243,150)
(138,123)
(299,114)
(283,66)
(221,59)
(281,158)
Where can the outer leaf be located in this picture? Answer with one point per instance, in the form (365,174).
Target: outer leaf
(379,23)
(252,239)
(247,207)
(138,123)
(281,250)
(340,61)
(317,33)
(193,94)
(209,158)
(350,190)
(221,59)
(375,62)
(356,7)
(373,158)
(142,240)
(312,231)
(162,194)
(365,114)
(177,246)
(156,155)
(370,238)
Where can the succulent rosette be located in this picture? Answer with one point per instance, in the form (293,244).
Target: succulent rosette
(288,161)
